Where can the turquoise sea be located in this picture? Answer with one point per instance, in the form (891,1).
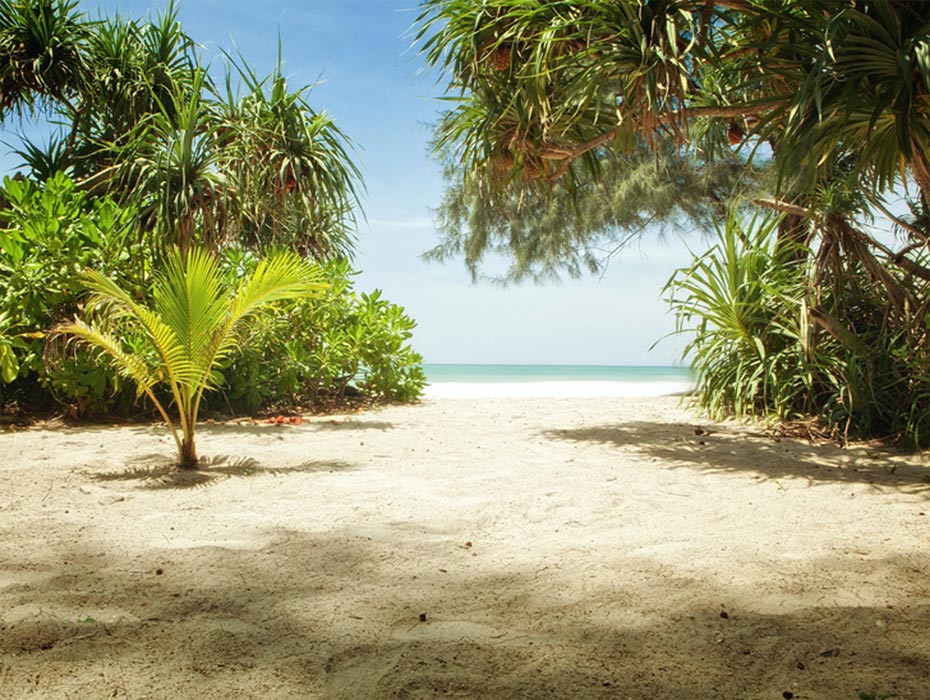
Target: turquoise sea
(485,380)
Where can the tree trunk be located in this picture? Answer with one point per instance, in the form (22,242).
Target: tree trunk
(188,453)
(920,168)
(793,231)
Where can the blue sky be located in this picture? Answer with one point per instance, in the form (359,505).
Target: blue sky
(372,82)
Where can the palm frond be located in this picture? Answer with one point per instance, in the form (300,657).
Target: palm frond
(194,323)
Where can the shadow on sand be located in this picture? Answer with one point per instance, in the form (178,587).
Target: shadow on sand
(158,471)
(321,615)
(246,426)
(715,450)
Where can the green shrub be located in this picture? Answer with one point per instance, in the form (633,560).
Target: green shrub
(742,308)
(772,335)
(49,234)
(341,343)
(388,368)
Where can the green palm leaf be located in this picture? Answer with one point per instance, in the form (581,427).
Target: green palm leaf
(194,322)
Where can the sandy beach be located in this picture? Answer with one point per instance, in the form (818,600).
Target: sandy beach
(508,548)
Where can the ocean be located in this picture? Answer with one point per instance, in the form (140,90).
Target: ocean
(554,381)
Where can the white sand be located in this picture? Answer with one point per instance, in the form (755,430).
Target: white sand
(559,548)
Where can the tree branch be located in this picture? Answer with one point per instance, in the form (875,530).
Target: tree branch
(875,202)
(739,5)
(784,207)
(712,111)
(839,331)
(913,268)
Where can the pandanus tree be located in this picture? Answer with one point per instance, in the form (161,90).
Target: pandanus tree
(100,78)
(262,169)
(861,90)
(566,100)
(141,68)
(143,122)
(43,54)
(545,90)
(168,167)
(195,321)
(549,98)
(543,93)
(289,169)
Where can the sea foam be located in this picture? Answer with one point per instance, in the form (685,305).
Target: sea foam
(555,389)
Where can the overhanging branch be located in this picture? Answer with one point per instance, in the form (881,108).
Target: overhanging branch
(677,116)
(783,207)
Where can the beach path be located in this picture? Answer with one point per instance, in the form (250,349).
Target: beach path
(509,548)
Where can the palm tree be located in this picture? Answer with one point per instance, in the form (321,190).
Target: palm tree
(195,321)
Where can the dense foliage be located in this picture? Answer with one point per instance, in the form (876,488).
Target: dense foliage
(152,159)
(49,235)
(337,344)
(752,317)
(547,89)
(341,345)
(545,232)
(821,311)
(248,161)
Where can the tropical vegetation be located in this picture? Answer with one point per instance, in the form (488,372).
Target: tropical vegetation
(194,323)
(821,108)
(338,345)
(158,169)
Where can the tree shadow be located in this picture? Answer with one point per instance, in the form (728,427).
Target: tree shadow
(383,426)
(325,615)
(226,425)
(727,449)
(264,427)
(158,471)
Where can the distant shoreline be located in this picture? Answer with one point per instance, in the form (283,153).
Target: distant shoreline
(554,390)
(472,381)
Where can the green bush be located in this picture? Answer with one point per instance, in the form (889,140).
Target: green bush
(742,307)
(770,335)
(388,367)
(49,234)
(342,343)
